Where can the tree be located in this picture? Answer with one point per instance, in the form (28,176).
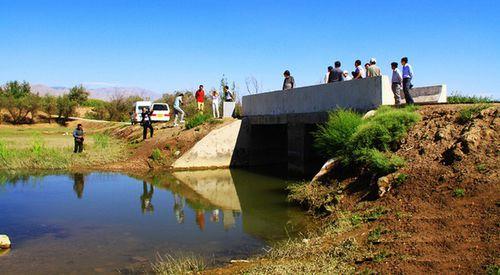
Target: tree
(17,98)
(65,107)
(120,106)
(49,105)
(16,89)
(253,85)
(78,94)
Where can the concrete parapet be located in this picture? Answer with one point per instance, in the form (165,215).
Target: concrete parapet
(429,94)
(363,94)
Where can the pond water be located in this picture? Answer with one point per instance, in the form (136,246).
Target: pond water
(109,222)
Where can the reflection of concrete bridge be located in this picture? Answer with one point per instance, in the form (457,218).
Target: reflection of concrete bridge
(277,126)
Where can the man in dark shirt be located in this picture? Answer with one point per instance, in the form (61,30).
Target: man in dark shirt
(146,123)
(336,74)
(78,135)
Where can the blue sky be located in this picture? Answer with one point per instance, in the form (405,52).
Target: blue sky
(171,45)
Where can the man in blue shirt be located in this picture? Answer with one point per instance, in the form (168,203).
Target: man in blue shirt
(78,135)
(407,77)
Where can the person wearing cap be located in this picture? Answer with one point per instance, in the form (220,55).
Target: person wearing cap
(337,74)
(373,70)
(407,77)
(78,135)
(396,82)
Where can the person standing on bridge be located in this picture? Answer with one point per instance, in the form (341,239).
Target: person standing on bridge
(373,70)
(337,74)
(200,99)
(396,82)
(328,72)
(289,82)
(146,123)
(407,77)
(359,72)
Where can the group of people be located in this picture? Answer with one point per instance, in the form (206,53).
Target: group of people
(215,97)
(400,80)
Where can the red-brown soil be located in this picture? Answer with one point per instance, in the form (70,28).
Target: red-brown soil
(429,227)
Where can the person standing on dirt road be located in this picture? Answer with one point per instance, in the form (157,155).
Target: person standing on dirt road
(146,123)
(200,99)
(78,134)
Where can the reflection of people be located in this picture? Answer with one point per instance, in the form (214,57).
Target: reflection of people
(147,196)
(78,184)
(200,219)
(179,208)
(215,215)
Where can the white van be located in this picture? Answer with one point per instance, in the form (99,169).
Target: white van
(161,112)
(136,117)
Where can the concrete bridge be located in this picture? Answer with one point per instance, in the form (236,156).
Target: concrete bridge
(277,126)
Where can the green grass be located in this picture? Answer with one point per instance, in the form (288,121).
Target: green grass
(375,234)
(481,168)
(468,114)
(181,264)
(493,270)
(457,97)
(157,155)
(366,143)
(400,179)
(42,150)
(197,120)
(459,192)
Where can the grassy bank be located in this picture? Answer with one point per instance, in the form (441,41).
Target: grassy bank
(51,147)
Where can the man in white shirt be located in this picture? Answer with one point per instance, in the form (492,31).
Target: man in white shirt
(396,82)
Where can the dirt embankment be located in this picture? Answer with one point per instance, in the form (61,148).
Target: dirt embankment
(170,141)
(441,217)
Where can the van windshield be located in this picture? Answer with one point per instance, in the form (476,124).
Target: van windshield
(140,108)
(160,107)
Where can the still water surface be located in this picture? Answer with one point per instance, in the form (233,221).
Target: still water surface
(108,222)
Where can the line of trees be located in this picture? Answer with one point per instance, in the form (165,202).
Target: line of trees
(23,106)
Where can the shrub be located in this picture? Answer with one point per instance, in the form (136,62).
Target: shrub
(371,135)
(378,162)
(331,138)
(459,192)
(78,94)
(469,113)
(197,120)
(156,155)
(65,107)
(101,141)
(37,147)
(366,143)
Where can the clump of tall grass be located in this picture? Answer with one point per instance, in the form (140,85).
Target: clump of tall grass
(366,143)
(101,141)
(181,264)
(4,153)
(467,114)
(197,120)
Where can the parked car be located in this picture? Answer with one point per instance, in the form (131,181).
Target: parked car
(161,112)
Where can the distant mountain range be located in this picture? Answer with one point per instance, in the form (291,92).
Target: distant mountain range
(104,93)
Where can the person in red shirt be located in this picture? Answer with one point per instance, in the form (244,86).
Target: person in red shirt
(200,99)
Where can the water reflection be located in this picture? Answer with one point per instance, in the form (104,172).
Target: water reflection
(146,197)
(79,184)
(220,214)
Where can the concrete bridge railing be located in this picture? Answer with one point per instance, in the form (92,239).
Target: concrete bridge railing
(363,94)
